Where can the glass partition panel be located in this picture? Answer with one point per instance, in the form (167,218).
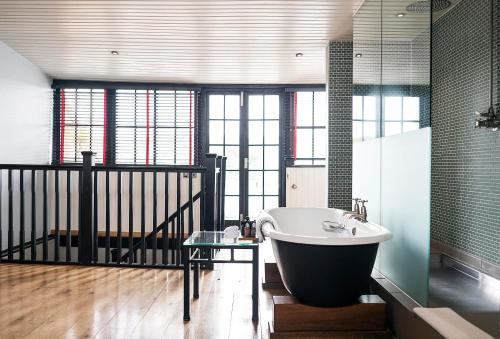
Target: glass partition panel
(391,150)
(405,209)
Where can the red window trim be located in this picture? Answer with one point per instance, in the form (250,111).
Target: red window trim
(62,126)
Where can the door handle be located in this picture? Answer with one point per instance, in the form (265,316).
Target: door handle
(294,187)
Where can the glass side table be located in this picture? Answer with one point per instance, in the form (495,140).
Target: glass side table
(207,242)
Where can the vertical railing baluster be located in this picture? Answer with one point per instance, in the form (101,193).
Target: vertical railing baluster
(33,215)
(164,232)
(107,218)
(222,207)
(143,219)
(45,245)
(179,219)
(68,216)
(96,217)
(155,205)
(173,253)
(119,215)
(86,192)
(190,208)
(57,237)
(131,253)
(10,234)
(21,215)
(79,211)
(218,182)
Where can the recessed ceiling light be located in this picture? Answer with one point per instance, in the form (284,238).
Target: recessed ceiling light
(358,55)
(400,15)
(114,53)
(298,55)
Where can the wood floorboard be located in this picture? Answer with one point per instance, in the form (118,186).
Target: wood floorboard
(43,301)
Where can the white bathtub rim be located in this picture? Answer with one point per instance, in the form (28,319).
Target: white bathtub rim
(380,235)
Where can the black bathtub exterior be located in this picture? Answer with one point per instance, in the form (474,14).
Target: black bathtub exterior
(325,276)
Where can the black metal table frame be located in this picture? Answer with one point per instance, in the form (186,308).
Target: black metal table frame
(195,259)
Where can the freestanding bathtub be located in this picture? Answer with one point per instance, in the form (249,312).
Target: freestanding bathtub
(324,259)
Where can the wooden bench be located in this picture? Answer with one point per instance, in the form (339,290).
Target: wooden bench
(449,324)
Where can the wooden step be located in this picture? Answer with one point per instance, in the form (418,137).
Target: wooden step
(272,277)
(386,334)
(289,315)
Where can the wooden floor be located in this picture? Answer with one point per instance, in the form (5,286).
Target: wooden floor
(41,301)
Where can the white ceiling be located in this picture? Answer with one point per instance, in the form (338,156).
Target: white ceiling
(195,41)
(395,51)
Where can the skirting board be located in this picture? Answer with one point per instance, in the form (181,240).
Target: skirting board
(475,262)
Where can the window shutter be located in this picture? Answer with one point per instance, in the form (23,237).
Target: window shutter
(155,127)
(81,124)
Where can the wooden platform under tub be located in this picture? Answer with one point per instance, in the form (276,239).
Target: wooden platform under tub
(291,319)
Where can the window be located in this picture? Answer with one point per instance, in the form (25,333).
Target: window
(401,114)
(365,118)
(309,128)
(81,119)
(224,139)
(263,153)
(143,127)
(154,127)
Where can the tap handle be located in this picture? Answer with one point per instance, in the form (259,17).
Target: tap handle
(362,201)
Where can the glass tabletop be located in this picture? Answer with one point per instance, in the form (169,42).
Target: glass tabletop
(215,239)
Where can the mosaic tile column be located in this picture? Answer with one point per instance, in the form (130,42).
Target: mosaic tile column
(339,63)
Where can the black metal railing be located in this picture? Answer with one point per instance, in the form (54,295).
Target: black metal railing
(30,196)
(120,215)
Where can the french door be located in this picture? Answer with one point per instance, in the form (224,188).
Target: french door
(245,127)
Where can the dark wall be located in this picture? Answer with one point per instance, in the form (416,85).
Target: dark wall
(465,161)
(340,124)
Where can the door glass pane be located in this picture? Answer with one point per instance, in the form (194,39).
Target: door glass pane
(255,182)
(255,107)
(216,131)
(232,131)
(255,157)
(254,206)
(271,157)
(255,132)
(233,157)
(216,149)
(271,182)
(272,132)
(272,106)
(271,202)
(232,182)
(232,206)
(216,106)
(232,107)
